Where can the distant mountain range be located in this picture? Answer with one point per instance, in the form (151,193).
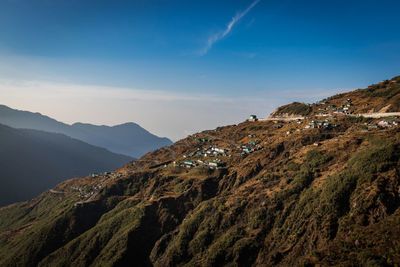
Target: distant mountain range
(128,139)
(33,161)
(319,191)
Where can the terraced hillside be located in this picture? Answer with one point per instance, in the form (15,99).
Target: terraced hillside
(267,193)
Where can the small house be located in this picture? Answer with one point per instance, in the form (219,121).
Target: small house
(253,118)
(387,123)
(246,149)
(214,164)
(189,163)
(219,150)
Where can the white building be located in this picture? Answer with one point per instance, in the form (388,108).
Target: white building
(253,118)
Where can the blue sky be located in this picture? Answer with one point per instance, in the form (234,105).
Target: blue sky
(201,71)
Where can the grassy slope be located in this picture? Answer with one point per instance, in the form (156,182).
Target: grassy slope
(291,203)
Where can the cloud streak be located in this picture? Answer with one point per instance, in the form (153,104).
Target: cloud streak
(220,35)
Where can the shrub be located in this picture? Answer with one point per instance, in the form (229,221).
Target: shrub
(296,108)
(178,249)
(360,119)
(370,260)
(382,90)
(256,218)
(255,128)
(183,186)
(293,166)
(378,158)
(200,242)
(301,180)
(363,167)
(315,158)
(217,253)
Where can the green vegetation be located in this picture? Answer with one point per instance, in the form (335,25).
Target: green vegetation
(293,166)
(200,241)
(296,108)
(316,135)
(178,249)
(315,158)
(182,185)
(51,231)
(257,218)
(289,204)
(217,252)
(229,228)
(385,90)
(360,119)
(255,127)
(269,179)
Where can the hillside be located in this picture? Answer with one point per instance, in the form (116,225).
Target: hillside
(128,139)
(302,192)
(33,161)
(383,97)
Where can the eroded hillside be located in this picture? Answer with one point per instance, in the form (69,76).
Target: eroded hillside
(287,193)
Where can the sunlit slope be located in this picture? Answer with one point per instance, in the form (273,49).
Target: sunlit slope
(282,194)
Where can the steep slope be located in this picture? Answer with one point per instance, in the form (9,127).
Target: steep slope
(129,138)
(265,193)
(33,161)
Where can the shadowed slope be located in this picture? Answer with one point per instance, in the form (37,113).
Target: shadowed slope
(33,161)
(286,196)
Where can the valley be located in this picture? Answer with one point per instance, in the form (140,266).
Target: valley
(313,191)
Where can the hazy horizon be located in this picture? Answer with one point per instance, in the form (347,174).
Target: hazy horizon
(227,110)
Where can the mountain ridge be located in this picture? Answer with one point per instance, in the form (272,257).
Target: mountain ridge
(32,161)
(135,141)
(303,192)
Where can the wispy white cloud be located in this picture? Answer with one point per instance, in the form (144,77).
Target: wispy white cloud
(220,35)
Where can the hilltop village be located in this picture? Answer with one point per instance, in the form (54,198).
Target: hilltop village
(336,116)
(311,185)
(209,155)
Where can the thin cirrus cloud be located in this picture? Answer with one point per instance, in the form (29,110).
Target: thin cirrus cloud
(220,35)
